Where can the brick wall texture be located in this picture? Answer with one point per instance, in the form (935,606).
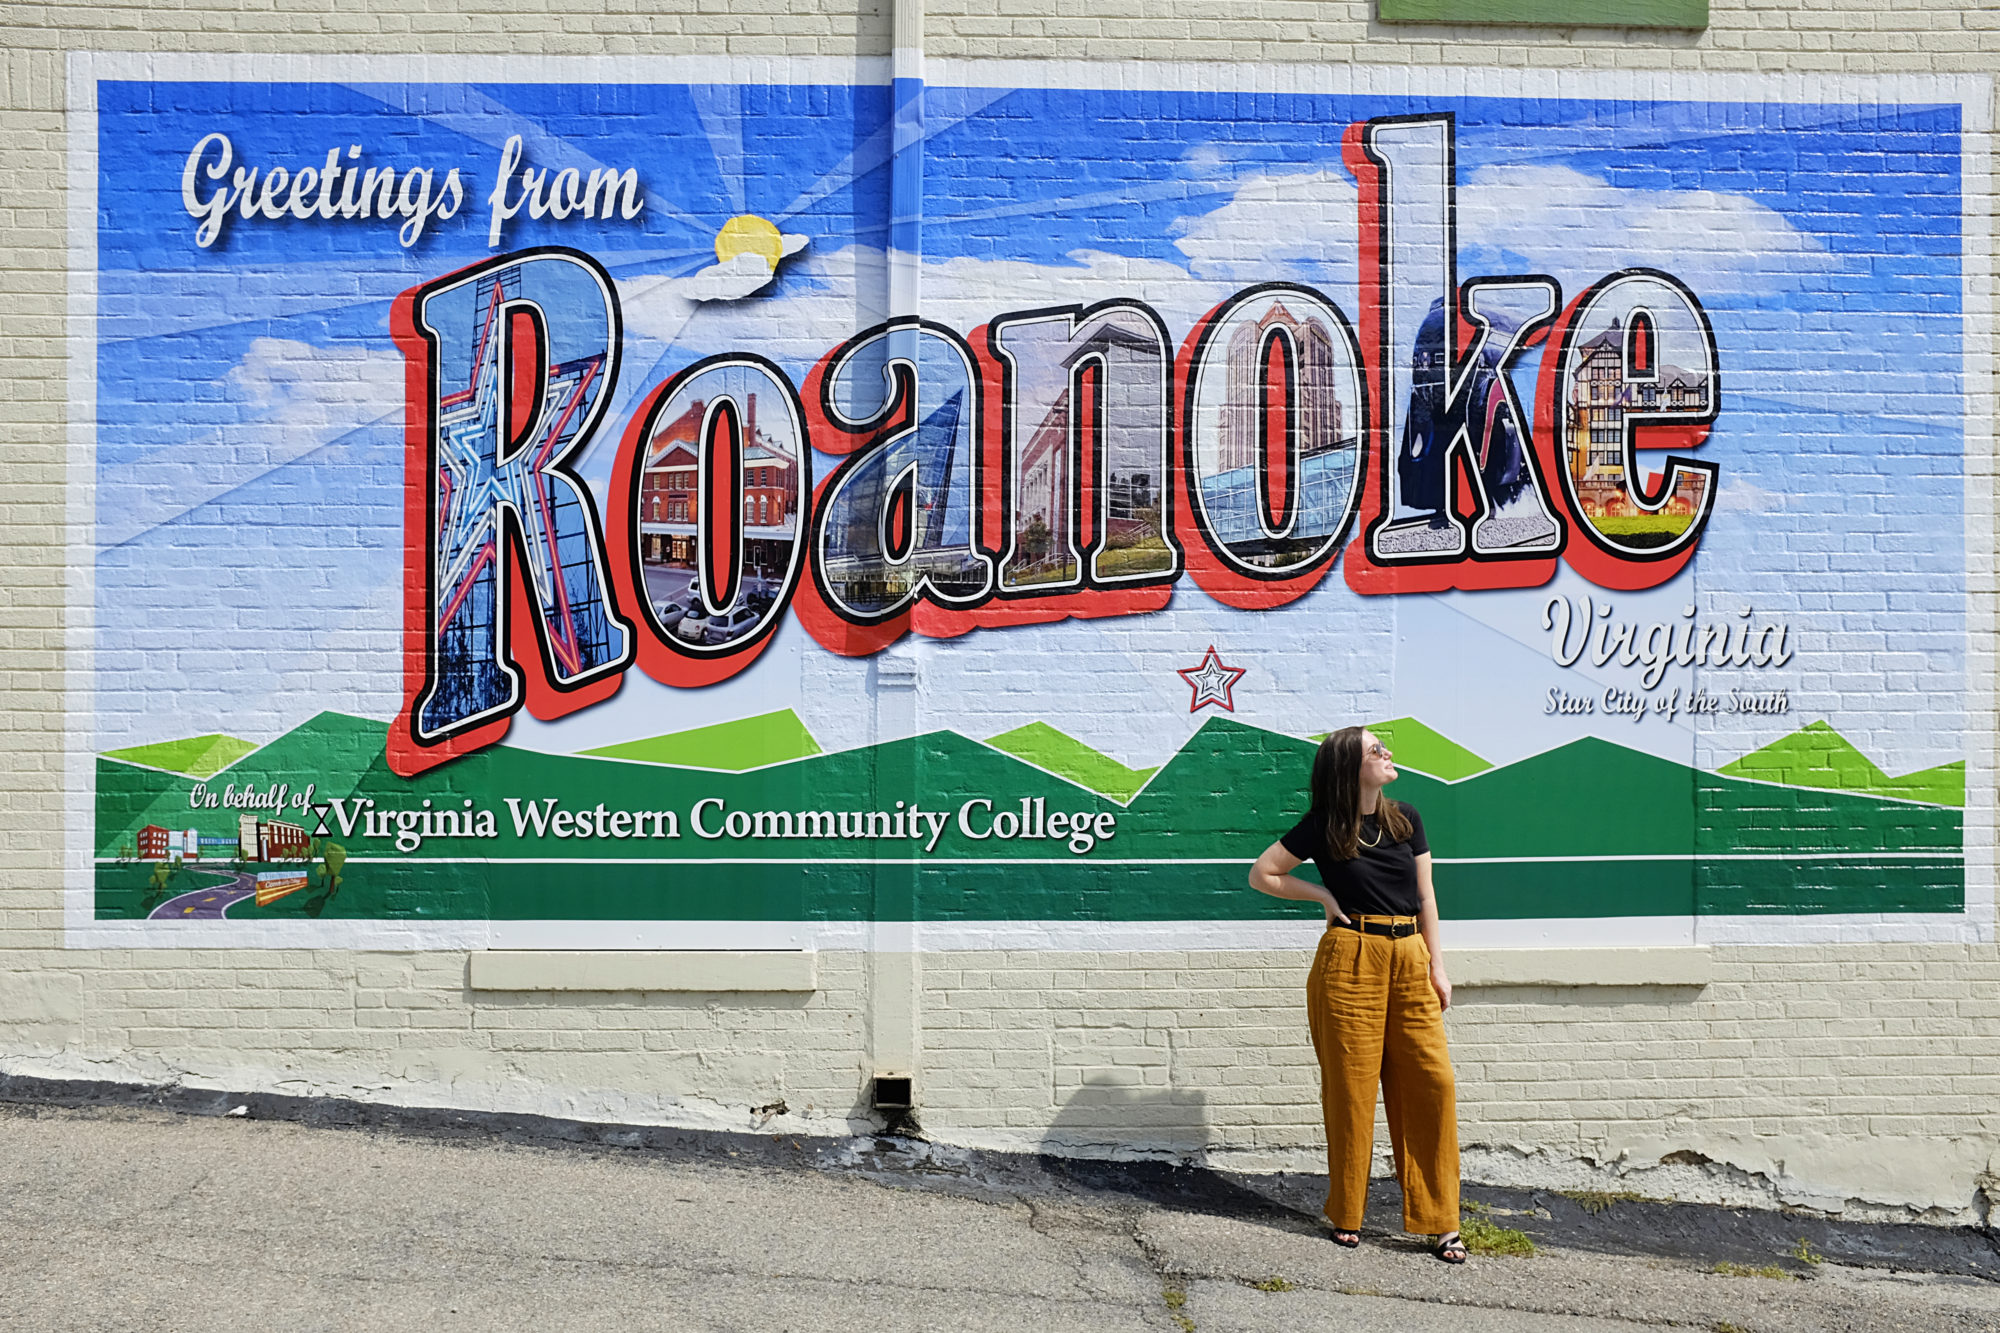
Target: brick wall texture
(1862,1079)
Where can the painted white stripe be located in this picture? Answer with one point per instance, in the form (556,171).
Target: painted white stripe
(1087,860)
(1055,937)
(1706,856)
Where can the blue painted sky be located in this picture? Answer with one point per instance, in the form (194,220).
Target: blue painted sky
(249,430)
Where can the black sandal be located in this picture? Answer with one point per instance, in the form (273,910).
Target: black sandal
(1450,1248)
(1346,1240)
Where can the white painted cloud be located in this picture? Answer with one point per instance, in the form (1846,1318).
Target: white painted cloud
(1578,228)
(658,309)
(841,292)
(1299,226)
(309,386)
(296,398)
(733,279)
(1741,496)
(1302,226)
(1204,159)
(966,292)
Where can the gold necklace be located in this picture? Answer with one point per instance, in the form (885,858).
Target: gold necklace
(1378,835)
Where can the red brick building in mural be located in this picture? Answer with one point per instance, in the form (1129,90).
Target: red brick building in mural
(670,490)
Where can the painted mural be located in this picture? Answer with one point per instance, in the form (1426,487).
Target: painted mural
(788,505)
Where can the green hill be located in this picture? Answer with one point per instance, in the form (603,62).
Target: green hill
(1043,746)
(1818,756)
(751,742)
(1594,829)
(331,751)
(1418,747)
(1590,797)
(1590,829)
(197,756)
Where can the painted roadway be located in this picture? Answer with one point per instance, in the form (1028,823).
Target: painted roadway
(207,904)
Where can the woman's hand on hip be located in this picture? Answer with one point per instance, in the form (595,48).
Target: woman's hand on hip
(1333,912)
(1441,984)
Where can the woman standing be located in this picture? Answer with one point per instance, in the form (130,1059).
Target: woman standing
(1377,992)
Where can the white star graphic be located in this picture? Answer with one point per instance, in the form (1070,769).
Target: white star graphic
(1212,682)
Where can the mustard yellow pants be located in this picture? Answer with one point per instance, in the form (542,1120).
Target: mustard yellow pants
(1375,1019)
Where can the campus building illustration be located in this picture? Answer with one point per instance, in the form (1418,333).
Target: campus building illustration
(256,839)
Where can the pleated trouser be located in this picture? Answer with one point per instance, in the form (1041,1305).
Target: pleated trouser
(1376,1022)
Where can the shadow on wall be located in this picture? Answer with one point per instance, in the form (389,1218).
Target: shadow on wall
(1116,1111)
(1119,1135)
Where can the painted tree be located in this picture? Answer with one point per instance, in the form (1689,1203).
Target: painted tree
(1035,541)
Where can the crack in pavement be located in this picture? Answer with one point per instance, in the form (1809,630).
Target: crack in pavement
(1162,1227)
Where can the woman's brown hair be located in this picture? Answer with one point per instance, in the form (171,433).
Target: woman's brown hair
(1336,795)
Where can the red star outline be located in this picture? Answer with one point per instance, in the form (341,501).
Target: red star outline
(1212,682)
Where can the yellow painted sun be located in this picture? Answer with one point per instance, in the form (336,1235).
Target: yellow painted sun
(749,235)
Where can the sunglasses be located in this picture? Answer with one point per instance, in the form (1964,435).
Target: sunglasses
(1379,750)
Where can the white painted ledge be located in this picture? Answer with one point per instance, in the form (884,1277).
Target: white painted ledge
(1687,965)
(788,970)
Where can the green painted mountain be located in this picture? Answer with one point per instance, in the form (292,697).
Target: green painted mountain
(1591,829)
(197,756)
(331,751)
(752,742)
(1417,746)
(1065,756)
(1818,756)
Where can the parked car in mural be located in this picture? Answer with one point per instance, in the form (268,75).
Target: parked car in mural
(669,613)
(721,628)
(1428,428)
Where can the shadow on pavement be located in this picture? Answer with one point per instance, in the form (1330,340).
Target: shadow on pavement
(1600,1222)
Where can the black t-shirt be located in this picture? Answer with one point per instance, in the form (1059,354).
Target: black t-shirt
(1380,880)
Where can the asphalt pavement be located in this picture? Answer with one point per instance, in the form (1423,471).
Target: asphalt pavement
(123,1209)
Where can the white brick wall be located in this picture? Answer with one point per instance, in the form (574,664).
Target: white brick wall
(1783,1066)
(1864,1078)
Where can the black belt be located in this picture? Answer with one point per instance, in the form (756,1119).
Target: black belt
(1395,930)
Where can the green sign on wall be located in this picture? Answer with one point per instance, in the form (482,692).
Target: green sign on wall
(1552,13)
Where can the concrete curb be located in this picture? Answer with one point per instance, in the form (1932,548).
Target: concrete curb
(1699,1234)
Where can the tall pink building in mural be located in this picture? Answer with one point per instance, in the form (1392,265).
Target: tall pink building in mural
(1042,522)
(1311,348)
